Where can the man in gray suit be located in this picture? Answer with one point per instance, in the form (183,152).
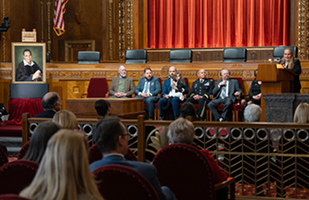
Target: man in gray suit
(225,92)
(148,88)
(122,86)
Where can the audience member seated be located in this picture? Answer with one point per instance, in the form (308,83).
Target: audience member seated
(112,140)
(225,92)
(4,149)
(51,104)
(103,108)
(39,139)
(188,109)
(169,91)
(292,63)
(200,93)
(122,86)
(66,119)
(254,93)
(182,131)
(252,113)
(301,114)
(64,171)
(148,88)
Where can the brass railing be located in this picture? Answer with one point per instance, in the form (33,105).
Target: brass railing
(270,159)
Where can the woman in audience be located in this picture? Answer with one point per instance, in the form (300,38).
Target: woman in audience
(64,172)
(39,139)
(301,114)
(182,131)
(66,119)
(290,62)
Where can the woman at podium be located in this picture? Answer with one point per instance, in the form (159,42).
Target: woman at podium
(290,62)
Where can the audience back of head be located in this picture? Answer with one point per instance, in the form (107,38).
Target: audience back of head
(252,113)
(301,114)
(188,109)
(181,131)
(64,171)
(49,100)
(39,140)
(66,119)
(102,107)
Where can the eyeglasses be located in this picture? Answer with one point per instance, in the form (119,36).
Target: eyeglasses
(126,134)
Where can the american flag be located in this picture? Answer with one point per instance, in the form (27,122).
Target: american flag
(58,16)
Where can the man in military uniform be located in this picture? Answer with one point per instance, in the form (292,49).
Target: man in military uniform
(200,92)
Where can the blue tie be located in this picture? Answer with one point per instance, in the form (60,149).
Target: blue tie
(147,87)
(223,92)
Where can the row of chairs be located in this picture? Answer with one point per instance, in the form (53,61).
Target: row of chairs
(180,56)
(174,165)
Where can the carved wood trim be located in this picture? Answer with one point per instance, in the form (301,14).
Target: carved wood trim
(80,45)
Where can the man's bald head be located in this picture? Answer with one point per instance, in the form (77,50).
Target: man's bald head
(172,71)
(50,101)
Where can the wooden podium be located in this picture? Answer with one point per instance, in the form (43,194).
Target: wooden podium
(126,108)
(275,80)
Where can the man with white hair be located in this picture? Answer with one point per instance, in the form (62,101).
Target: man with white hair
(122,86)
(252,113)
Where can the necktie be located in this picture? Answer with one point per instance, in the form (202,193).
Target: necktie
(147,87)
(223,92)
(202,80)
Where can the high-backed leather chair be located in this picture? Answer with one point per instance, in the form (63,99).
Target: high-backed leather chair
(278,51)
(132,184)
(88,57)
(234,55)
(180,56)
(17,175)
(182,166)
(22,152)
(47,57)
(97,88)
(136,56)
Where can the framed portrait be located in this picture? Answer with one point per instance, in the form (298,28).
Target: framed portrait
(28,62)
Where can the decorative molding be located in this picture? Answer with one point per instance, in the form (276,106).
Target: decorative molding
(3,34)
(110,29)
(72,46)
(302,29)
(49,28)
(130,23)
(42,20)
(121,28)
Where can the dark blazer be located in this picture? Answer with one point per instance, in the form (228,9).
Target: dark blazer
(155,86)
(233,87)
(296,68)
(46,114)
(24,73)
(145,169)
(167,87)
(128,86)
(203,89)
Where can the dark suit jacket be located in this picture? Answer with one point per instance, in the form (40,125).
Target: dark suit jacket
(155,86)
(233,87)
(145,169)
(297,70)
(128,86)
(167,87)
(46,114)
(24,73)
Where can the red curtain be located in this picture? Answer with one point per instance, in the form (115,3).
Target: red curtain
(218,23)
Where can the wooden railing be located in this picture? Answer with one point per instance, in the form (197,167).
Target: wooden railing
(269,159)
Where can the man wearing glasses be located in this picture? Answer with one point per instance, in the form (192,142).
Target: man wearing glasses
(111,138)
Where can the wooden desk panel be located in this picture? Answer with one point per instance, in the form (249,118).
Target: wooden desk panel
(126,108)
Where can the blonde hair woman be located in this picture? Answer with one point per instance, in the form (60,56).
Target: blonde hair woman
(301,114)
(290,62)
(64,172)
(66,119)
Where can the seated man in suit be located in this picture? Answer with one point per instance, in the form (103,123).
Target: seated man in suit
(122,86)
(148,88)
(167,87)
(200,93)
(51,104)
(112,139)
(225,92)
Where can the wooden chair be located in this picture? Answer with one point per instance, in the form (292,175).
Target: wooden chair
(22,152)
(133,185)
(181,166)
(97,88)
(3,157)
(95,154)
(12,197)
(17,175)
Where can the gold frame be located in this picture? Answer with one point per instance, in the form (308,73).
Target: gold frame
(40,59)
